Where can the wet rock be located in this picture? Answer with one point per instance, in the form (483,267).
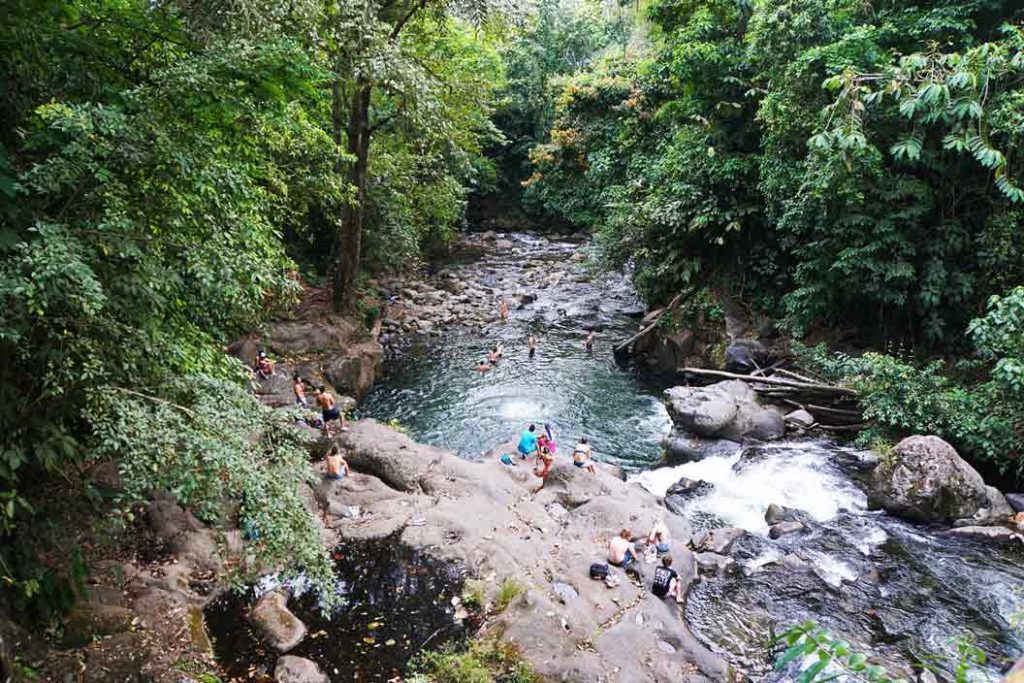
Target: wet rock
(718,540)
(745,355)
(683,491)
(689,487)
(275,622)
(291,669)
(785,528)
(681,448)
(713,562)
(777,513)
(1016,501)
(800,419)
(999,534)
(926,480)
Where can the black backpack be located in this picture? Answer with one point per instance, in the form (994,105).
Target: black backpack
(598,570)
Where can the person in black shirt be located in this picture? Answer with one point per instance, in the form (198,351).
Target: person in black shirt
(666,581)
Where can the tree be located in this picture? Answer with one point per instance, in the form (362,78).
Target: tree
(378,81)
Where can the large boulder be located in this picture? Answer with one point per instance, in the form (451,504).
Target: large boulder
(275,622)
(926,480)
(292,669)
(745,355)
(1016,501)
(727,410)
(355,371)
(669,352)
(681,447)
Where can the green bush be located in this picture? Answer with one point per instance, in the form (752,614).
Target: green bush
(483,661)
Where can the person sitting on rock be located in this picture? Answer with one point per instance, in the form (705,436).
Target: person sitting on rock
(482,366)
(264,366)
(581,456)
(329,409)
(528,442)
(666,581)
(621,551)
(299,387)
(659,536)
(337,468)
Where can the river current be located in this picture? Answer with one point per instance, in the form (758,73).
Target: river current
(895,590)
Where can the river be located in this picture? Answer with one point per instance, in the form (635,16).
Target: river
(893,589)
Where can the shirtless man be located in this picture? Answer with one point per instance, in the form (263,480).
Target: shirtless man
(621,550)
(588,343)
(329,409)
(531,345)
(299,387)
(482,366)
(503,310)
(337,468)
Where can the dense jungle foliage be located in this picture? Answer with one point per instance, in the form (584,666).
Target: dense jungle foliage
(166,168)
(171,171)
(836,164)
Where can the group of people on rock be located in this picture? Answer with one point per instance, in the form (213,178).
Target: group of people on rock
(542,447)
(623,552)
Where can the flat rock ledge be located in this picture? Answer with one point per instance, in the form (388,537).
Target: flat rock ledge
(490,518)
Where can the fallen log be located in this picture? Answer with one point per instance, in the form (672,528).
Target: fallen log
(624,346)
(770,381)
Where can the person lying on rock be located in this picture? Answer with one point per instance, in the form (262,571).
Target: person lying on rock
(299,387)
(482,366)
(581,456)
(264,366)
(329,409)
(659,536)
(337,468)
(528,442)
(621,551)
(666,581)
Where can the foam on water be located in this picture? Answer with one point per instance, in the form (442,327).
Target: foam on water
(798,476)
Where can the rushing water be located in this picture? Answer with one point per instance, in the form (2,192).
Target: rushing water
(434,392)
(896,590)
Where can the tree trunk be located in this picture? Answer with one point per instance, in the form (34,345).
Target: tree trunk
(350,239)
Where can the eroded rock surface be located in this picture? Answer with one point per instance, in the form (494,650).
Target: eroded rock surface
(926,480)
(492,519)
(727,410)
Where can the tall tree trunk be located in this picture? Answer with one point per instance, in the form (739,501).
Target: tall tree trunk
(350,240)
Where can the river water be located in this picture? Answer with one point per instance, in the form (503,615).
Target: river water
(893,589)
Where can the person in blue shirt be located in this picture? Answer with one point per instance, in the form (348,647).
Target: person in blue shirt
(528,442)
